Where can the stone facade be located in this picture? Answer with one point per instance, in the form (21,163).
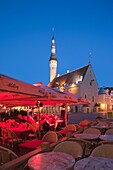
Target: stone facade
(105,99)
(81,82)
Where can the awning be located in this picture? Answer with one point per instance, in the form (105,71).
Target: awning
(13,86)
(17,93)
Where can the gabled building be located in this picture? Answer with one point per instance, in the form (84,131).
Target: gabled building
(81,82)
(105,99)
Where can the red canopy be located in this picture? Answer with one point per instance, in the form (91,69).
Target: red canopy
(17,93)
(56,97)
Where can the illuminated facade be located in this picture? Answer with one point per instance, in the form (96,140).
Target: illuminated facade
(105,99)
(81,82)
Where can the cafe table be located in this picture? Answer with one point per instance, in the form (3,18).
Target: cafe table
(51,161)
(86,136)
(21,132)
(101,128)
(106,137)
(94,163)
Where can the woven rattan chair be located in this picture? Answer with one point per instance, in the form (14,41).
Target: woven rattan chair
(11,139)
(86,145)
(71,147)
(103,124)
(109,132)
(105,142)
(105,150)
(50,136)
(70,127)
(92,130)
(34,128)
(6,155)
(111,125)
(68,130)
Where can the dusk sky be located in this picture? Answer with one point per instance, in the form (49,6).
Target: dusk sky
(81,27)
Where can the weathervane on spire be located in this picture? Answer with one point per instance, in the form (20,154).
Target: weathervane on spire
(53,31)
(89,58)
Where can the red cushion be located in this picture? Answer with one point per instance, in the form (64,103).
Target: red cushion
(32,144)
(63,132)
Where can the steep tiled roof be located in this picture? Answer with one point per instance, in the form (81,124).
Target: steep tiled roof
(70,77)
(53,57)
(101,91)
(109,88)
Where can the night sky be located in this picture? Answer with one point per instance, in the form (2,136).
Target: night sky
(81,27)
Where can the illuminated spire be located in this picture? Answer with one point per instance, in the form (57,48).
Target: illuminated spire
(53,59)
(53,49)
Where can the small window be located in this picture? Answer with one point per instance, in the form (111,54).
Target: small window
(93,98)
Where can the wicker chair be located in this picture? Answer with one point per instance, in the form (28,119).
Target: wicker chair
(111,125)
(11,139)
(105,150)
(103,124)
(70,127)
(105,142)
(86,145)
(6,155)
(34,128)
(109,132)
(68,130)
(71,147)
(92,130)
(50,136)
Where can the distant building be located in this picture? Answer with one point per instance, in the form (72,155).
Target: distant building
(105,99)
(81,82)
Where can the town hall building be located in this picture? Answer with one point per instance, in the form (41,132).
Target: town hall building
(80,82)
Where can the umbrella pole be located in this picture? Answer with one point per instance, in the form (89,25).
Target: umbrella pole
(39,134)
(66,115)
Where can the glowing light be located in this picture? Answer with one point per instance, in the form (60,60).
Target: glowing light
(67,71)
(62,89)
(80,79)
(102,106)
(73,85)
(68,108)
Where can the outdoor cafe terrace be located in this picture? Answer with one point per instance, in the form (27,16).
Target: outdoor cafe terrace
(49,141)
(86,145)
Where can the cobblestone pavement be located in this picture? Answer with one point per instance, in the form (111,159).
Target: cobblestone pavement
(77,117)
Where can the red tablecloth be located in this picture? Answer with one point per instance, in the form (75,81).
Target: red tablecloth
(21,133)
